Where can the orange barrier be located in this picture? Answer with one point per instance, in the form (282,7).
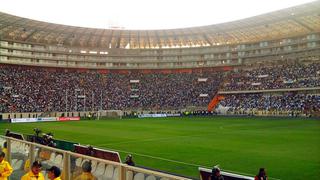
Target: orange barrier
(215,100)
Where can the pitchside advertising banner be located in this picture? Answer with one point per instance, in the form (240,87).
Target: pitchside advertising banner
(158,115)
(68,118)
(46,119)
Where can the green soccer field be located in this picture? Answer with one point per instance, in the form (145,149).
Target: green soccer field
(287,148)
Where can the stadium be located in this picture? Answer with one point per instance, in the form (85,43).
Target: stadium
(240,95)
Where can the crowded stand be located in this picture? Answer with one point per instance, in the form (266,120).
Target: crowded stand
(274,77)
(30,89)
(288,102)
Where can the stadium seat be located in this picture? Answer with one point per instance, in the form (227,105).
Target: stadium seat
(83,161)
(58,161)
(129,175)
(21,148)
(139,176)
(50,161)
(108,174)
(99,170)
(115,174)
(163,178)
(93,165)
(26,149)
(151,177)
(79,162)
(13,161)
(36,151)
(17,165)
(15,147)
(2,140)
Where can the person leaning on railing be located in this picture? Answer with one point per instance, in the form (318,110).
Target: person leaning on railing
(5,167)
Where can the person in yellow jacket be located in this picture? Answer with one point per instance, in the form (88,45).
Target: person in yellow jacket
(5,168)
(26,166)
(54,173)
(34,173)
(86,172)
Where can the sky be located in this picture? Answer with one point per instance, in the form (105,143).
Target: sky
(142,14)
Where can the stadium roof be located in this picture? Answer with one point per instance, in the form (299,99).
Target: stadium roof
(295,21)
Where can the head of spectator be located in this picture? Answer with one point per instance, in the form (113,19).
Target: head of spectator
(129,160)
(86,166)
(90,151)
(36,167)
(4,148)
(54,172)
(5,144)
(7,132)
(262,175)
(216,174)
(2,155)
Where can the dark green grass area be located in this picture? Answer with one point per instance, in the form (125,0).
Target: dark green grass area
(288,148)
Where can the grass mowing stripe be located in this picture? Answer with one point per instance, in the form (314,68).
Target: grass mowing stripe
(153,139)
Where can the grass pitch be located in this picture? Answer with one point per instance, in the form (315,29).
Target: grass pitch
(288,148)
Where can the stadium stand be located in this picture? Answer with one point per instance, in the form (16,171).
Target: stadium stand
(285,76)
(56,70)
(82,91)
(73,91)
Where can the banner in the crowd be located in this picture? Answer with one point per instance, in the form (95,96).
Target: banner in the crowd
(263,76)
(134,81)
(203,95)
(159,115)
(68,118)
(151,115)
(256,84)
(134,96)
(174,115)
(21,120)
(202,79)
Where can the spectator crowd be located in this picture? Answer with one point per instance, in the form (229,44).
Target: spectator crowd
(275,77)
(27,89)
(273,102)
(32,89)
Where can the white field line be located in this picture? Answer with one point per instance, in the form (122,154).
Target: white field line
(165,159)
